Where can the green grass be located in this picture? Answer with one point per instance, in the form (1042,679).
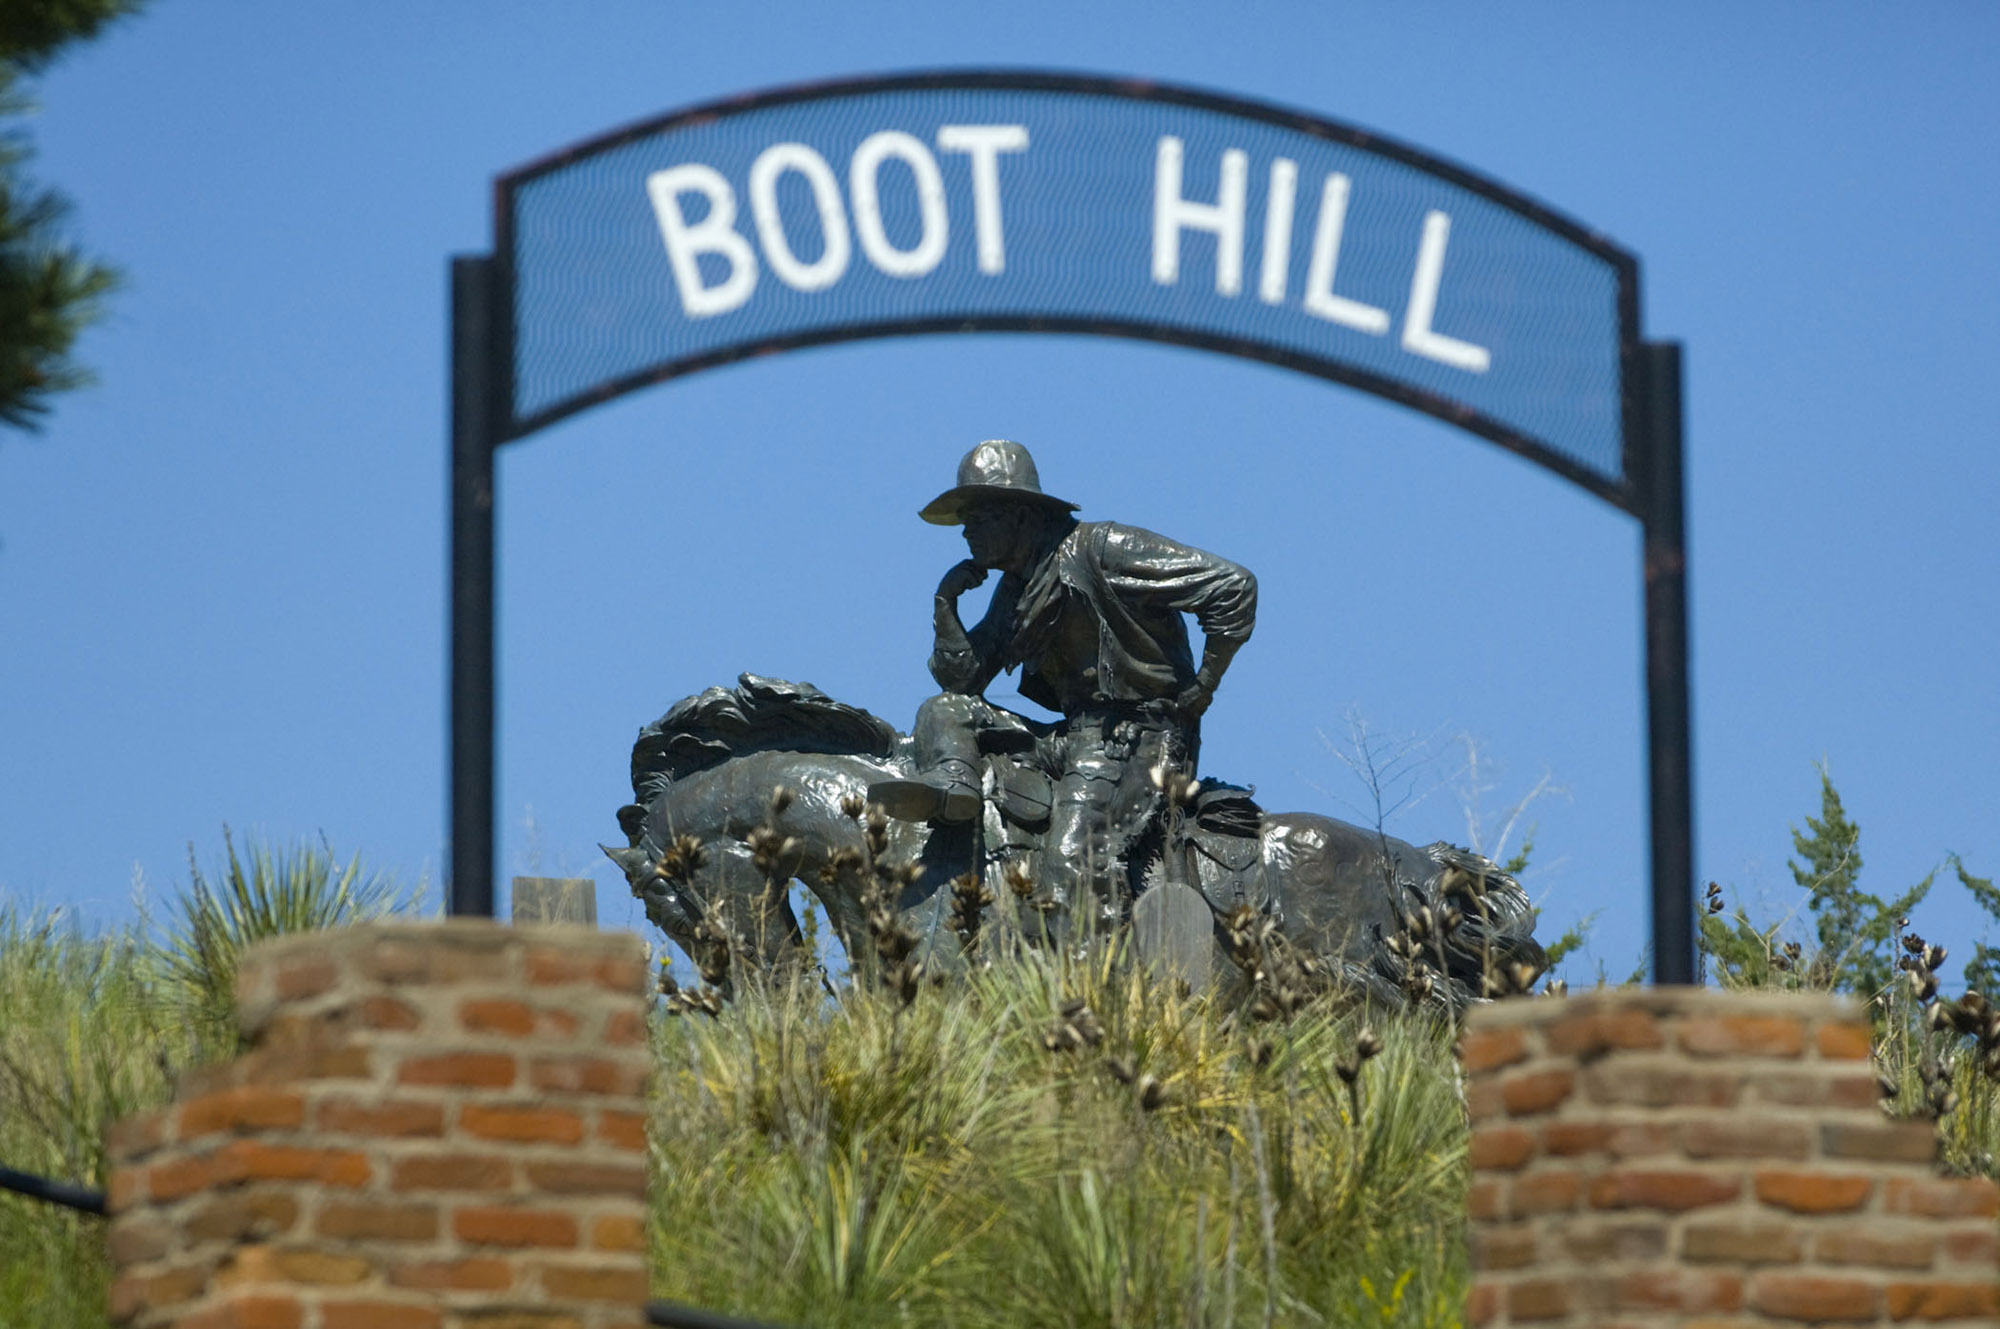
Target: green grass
(855,1162)
(91,1034)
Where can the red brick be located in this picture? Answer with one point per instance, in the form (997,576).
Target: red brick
(1603,1240)
(622,1027)
(1482,1099)
(621,1282)
(1742,1243)
(1680,1290)
(1538,1299)
(306,977)
(377,1222)
(1813,1192)
(1843,1042)
(1661,1084)
(626,1130)
(387,1013)
(1565,1139)
(1505,1148)
(526,1125)
(1674,1192)
(175,1177)
(497,1017)
(1944,1301)
(126,1185)
(1881,1142)
(1483,1304)
(618,1232)
(402,961)
(587,1075)
(252,1160)
(1639,1139)
(135,1136)
(1830,1086)
(1482,1200)
(452,1172)
(379,1315)
(1972,1246)
(394,1117)
(265,1264)
(1487,1049)
(1853,1091)
(126,1296)
(1814,1297)
(138,1238)
(246,1108)
(469,1070)
(477,1274)
(1746,1136)
(238,1214)
(1536,1091)
(1605,1031)
(548,967)
(1502,1248)
(1544,1193)
(514,1227)
(588,1179)
(316,1056)
(1851,1246)
(1743,1036)
(1939,1198)
(246,1311)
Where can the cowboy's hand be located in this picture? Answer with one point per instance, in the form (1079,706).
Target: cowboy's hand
(961,578)
(1193,700)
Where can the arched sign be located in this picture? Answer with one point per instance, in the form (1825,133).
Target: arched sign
(1032,202)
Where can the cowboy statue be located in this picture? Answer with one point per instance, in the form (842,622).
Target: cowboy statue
(1091,613)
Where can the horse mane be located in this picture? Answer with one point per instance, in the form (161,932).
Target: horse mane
(757,715)
(1501,933)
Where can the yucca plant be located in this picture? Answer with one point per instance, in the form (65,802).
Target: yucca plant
(1060,1140)
(258,894)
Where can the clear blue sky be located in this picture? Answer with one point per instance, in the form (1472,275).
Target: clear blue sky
(223,584)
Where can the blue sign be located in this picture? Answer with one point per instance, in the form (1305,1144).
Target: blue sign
(1049,203)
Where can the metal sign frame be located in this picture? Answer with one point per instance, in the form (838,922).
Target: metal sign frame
(482,418)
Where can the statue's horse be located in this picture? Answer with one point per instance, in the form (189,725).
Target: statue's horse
(1345,896)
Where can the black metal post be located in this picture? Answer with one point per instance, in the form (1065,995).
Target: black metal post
(474,432)
(1670,774)
(70,1196)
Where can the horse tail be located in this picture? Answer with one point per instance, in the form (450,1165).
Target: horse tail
(757,715)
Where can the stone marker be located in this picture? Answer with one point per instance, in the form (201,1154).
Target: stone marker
(1175,933)
(555,900)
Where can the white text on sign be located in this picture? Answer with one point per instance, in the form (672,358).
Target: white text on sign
(844,219)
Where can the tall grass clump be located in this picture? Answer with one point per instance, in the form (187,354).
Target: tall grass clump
(1052,1140)
(96,1027)
(1936,1057)
(260,893)
(91,1034)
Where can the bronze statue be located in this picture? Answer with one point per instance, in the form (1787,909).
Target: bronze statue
(1094,808)
(1092,616)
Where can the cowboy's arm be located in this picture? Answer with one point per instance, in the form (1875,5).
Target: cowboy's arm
(1219,595)
(963,661)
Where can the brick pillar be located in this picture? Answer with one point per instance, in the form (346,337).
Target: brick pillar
(437,1125)
(1681,1156)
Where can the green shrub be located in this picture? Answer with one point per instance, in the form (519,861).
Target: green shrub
(857,1162)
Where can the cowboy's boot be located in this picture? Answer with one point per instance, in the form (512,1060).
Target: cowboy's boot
(947,792)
